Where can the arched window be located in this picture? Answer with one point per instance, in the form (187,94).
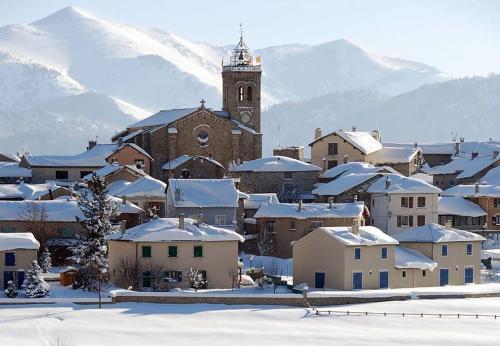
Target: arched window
(249,93)
(240,93)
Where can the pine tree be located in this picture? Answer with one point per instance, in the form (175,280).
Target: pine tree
(34,285)
(11,290)
(45,261)
(90,255)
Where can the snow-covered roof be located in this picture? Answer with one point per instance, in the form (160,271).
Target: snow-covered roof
(364,141)
(394,155)
(95,157)
(343,183)
(483,148)
(310,210)
(173,164)
(492,177)
(12,169)
(10,157)
(135,147)
(466,166)
(409,258)
(470,191)
(350,168)
(113,168)
(401,184)
(25,191)
(14,241)
(254,200)
(116,186)
(434,233)
(132,135)
(146,186)
(204,193)
(368,235)
(162,230)
(457,205)
(163,117)
(423,176)
(275,164)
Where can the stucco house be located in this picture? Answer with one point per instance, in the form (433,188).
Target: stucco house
(175,245)
(215,201)
(292,180)
(288,222)
(17,251)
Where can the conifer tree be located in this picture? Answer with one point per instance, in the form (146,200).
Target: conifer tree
(11,290)
(90,255)
(45,261)
(34,285)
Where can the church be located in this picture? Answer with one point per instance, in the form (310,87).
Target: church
(228,136)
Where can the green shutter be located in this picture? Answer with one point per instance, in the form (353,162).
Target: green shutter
(172,251)
(146,251)
(198,251)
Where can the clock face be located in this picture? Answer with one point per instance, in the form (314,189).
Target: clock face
(246,116)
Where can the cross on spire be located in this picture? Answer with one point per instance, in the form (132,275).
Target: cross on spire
(202,103)
(241,30)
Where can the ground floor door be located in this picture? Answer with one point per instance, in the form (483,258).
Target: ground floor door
(357,281)
(319,280)
(384,279)
(443,277)
(469,275)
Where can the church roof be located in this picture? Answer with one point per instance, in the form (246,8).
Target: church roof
(163,117)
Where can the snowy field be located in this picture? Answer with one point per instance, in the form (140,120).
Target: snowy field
(150,324)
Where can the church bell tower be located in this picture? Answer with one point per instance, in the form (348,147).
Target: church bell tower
(241,86)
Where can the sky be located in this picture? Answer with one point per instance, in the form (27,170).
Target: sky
(459,37)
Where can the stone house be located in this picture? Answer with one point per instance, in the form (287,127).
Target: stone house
(175,245)
(17,251)
(462,213)
(292,180)
(195,166)
(216,202)
(348,258)
(228,136)
(287,223)
(117,173)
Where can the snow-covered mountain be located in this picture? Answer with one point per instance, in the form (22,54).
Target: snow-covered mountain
(74,66)
(468,107)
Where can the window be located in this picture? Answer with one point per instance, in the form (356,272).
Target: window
(421,202)
(444,250)
(84,173)
(496,202)
(202,138)
(292,226)
(313,224)
(198,251)
(172,251)
(10,259)
(420,220)
(405,221)
(8,229)
(288,175)
(61,175)
(114,160)
(384,252)
(240,93)
(220,220)
(424,273)
(67,232)
(403,274)
(173,276)
(249,93)
(146,251)
(333,148)
(146,279)
(469,275)
(496,220)
(139,163)
(357,253)
(332,163)
(270,226)
(468,248)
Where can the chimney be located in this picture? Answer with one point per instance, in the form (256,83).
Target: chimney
(346,158)
(300,206)
(462,139)
(317,133)
(447,224)
(330,202)
(495,153)
(415,145)
(354,128)
(181,221)
(92,144)
(120,141)
(355,226)
(177,194)
(376,134)
(457,148)
(387,183)
(124,200)
(474,154)
(51,196)
(123,226)
(476,188)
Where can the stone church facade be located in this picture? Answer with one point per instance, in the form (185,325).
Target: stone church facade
(228,136)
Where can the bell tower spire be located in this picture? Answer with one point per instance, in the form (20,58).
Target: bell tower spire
(241,85)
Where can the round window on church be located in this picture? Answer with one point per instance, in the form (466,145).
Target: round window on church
(202,138)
